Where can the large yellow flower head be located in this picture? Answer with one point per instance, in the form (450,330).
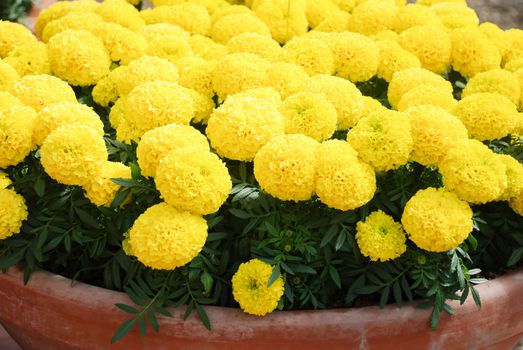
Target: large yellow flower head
(7,101)
(498,81)
(408,79)
(8,75)
(238,72)
(456,15)
(473,52)
(4,180)
(380,238)
(431,44)
(519,75)
(435,132)
(157,143)
(51,118)
(78,57)
(285,167)
(286,78)
(39,91)
(203,106)
(285,19)
(157,103)
(373,16)
(514,65)
(437,220)
(343,95)
(414,15)
(337,22)
(516,203)
(196,73)
(496,35)
(29,59)
(193,18)
(232,25)
(427,95)
(171,46)
(268,94)
(250,290)
(13,212)
(206,48)
(487,116)
(393,58)
(122,13)
(13,35)
(261,45)
(122,44)
(313,55)
(372,105)
(101,190)
(164,238)
(346,5)
(16,131)
(104,92)
(343,181)
(433,2)
(318,11)
(474,172)
(193,180)
(382,139)
(73,154)
(514,177)
(159,30)
(309,114)
(228,10)
(514,39)
(241,126)
(87,21)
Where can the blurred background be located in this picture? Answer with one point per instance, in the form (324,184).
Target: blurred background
(505,13)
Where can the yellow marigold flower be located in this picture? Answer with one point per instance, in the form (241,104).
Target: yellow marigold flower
(346,5)
(382,139)
(164,238)
(434,132)
(206,48)
(157,143)
(497,81)
(13,35)
(155,104)
(191,17)
(343,181)
(232,25)
(7,101)
(456,15)
(38,91)
(373,16)
(393,58)
(414,15)
(344,96)
(241,126)
(211,5)
(309,114)
(286,78)
(487,116)
(385,35)
(474,172)
(268,94)
(285,167)
(117,116)
(78,57)
(337,22)
(170,47)
(514,177)
(519,75)
(285,19)
(408,79)
(13,212)
(437,220)
(514,65)
(514,40)
(261,45)
(57,115)
(250,290)
(473,52)
(431,44)
(516,203)
(228,10)
(105,91)
(193,180)
(4,180)
(203,106)
(101,190)
(496,35)
(16,130)
(87,21)
(380,238)
(371,105)
(433,2)
(313,55)
(159,30)
(318,11)
(73,154)
(356,56)
(29,59)
(8,75)
(122,44)
(196,73)
(122,13)
(427,95)
(238,72)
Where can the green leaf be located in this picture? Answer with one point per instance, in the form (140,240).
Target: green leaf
(123,330)
(478,280)
(364,290)
(434,320)
(86,218)
(331,232)
(240,213)
(153,320)
(396,291)
(207,281)
(39,187)
(12,259)
(302,269)
(406,288)
(127,308)
(476,296)
(473,242)
(384,296)
(340,240)
(449,309)
(142,326)
(515,257)
(124,182)
(276,272)
(136,173)
(188,311)
(203,316)
(335,276)
(464,295)
(162,311)
(120,198)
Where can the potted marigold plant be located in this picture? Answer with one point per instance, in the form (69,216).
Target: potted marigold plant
(273,155)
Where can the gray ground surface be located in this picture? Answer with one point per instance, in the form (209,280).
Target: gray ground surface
(505,13)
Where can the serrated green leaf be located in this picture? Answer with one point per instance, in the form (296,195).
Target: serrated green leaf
(86,218)
(329,235)
(515,257)
(241,214)
(335,276)
(152,320)
(142,326)
(342,237)
(123,330)
(203,316)
(406,288)
(127,308)
(188,310)
(207,281)
(276,272)
(434,320)
(39,187)
(161,310)
(449,309)
(124,182)
(120,197)
(476,296)
(473,242)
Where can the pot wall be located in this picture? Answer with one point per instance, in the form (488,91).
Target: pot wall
(48,314)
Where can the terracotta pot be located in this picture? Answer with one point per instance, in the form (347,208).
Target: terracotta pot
(49,314)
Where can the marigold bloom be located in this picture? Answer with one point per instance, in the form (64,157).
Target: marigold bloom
(380,238)
(104,92)
(474,172)
(497,81)
(373,16)
(87,21)
(250,290)
(268,94)
(8,75)
(29,59)
(514,65)
(337,22)
(346,5)
(122,44)
(516,203)
(38,91)
(191,17)
(286,78)
(206,48)
(232,25)
(427,95)
(393,58)
(164,238)
(456,15)
(13,212)
(16,130)
(514,40)
(437,220)
(514,177)
(285,19)
(122,13)
(496,35)
(318,11)
(7,101)
(261,45)
(13,35)
(228,10)
(101,190)
(414,15)
(313,55)
(4,180)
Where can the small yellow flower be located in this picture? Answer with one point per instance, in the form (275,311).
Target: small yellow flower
(122,44)
(87,21)
(337,22)
(498,81)
(456,15)
(206,48)
(432,95)
(414,15)
(4,180)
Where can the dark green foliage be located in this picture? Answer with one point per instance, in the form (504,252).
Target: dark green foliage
(13,10)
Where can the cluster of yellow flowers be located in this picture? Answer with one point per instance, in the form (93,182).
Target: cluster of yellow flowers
(271,81)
